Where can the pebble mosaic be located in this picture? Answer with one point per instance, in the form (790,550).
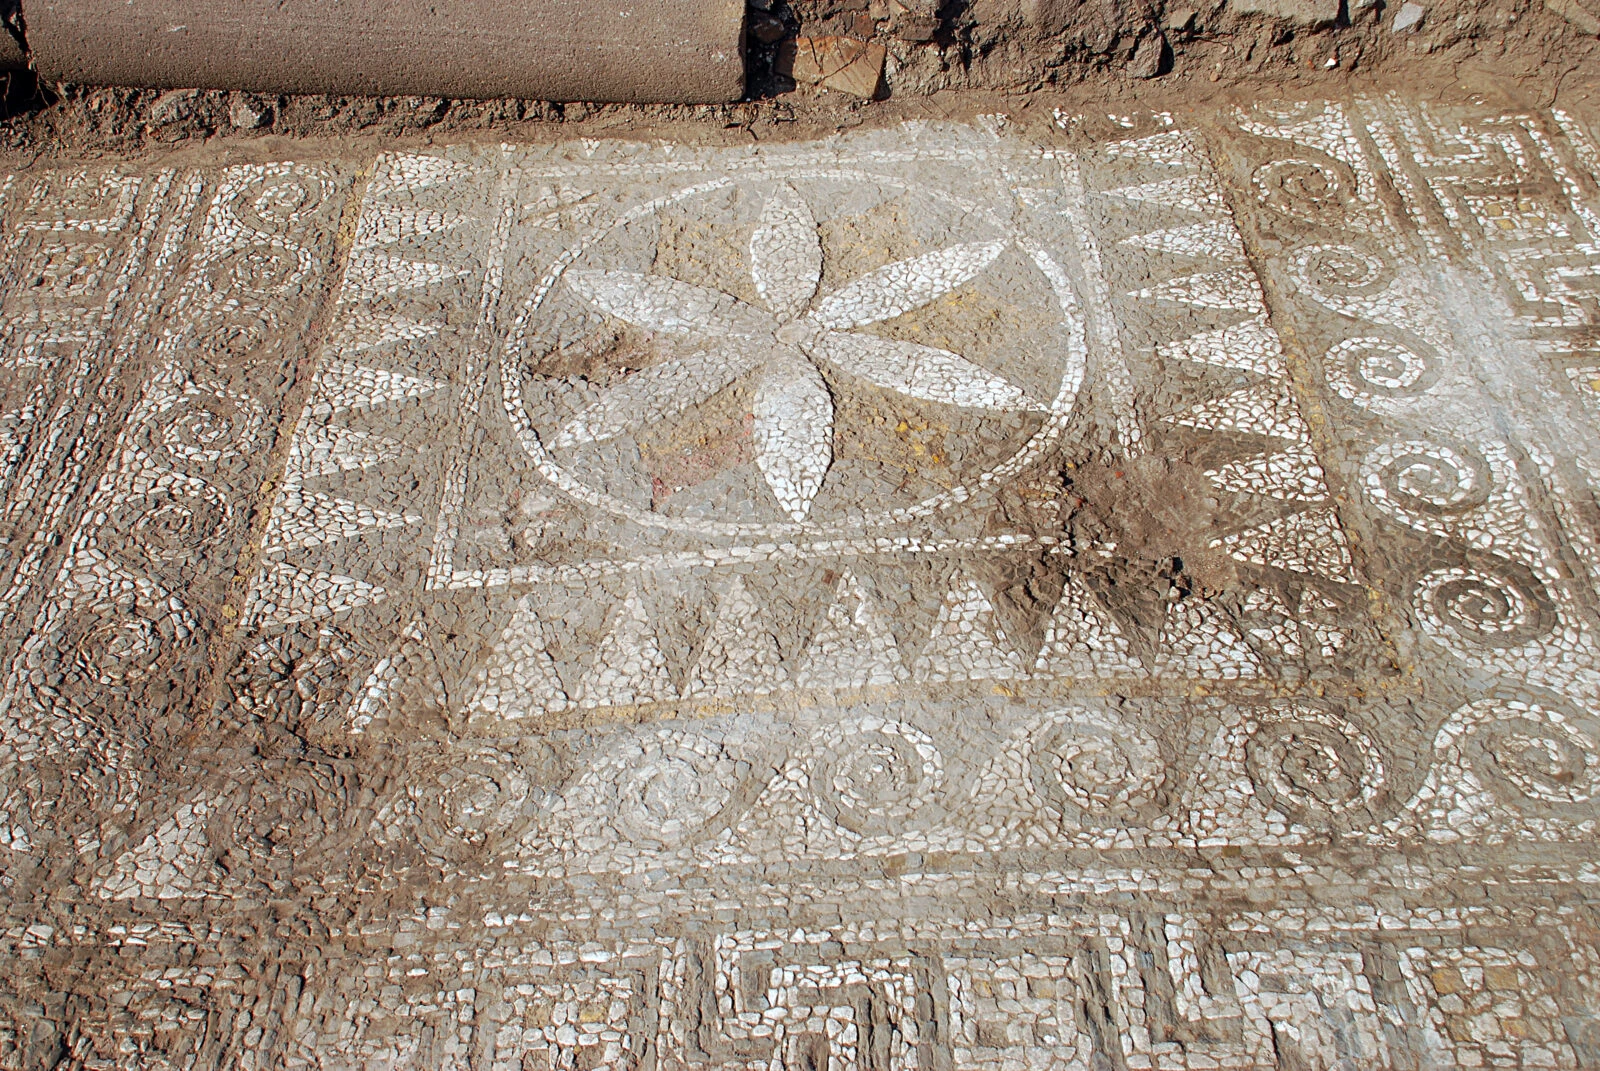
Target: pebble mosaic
(1120,595)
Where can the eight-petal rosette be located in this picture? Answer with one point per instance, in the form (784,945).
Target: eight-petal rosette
(784,343)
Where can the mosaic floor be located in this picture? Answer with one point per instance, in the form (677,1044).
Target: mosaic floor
(1116,593)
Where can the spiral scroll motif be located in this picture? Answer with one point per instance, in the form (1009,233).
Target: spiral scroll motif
(669,788)
(1369,370)
(1098,771)
(478,799)
(1308,189)
(1535,755)
(1428,479)
(1340,271)
(204,431)
(277,201)
(874,777)
(1495,605)
(169,529)
(1317,767)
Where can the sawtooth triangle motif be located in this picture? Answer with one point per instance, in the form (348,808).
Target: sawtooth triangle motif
(368,330)
(519,680)
(1311,542)
(628,666)
(740,655)
(1230,289)
(1320,614)
(1267,618)
(1214,240)
(1193,193)
(1265,409)
(967,642)
(94,573)
(854,647)
(328,449)
(170,858)
(1197,640)
(309,519)
(1251,346)
(387,224)
(411,664)
(344,385)
(1171,147)
(379,275)
(285,594)
(1082,640)
(1293,475)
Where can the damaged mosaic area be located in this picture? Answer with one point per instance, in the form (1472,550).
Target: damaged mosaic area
(1117,593)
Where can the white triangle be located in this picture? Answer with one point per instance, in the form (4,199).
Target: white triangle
(413,658)
(344,385)
(378,275)
(367,330)
(1215,240)
(414,171)
(166,864)
(328,449)
(1251,346)
(1310,542)
(1293,475)
(853,648)
(1083,640)
(1197,640)
(628,667)
(1195,193)
(1171,147)
(285,594)
(740,656)
(1265,409)
(519,680)
(967,642)
(1231,289)
(1321,615)
(93,573)
(309,519)
(1280,635)
(386,224)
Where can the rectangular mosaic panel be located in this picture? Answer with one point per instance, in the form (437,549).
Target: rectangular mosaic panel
(1083,592)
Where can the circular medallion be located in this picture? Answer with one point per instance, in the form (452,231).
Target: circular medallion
(778,364)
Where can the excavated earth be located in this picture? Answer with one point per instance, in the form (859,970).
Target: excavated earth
(1078,562)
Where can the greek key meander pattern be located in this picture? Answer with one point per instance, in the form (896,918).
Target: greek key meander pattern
(1121,594)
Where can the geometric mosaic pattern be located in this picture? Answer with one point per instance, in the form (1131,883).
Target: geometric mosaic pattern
(1118,594)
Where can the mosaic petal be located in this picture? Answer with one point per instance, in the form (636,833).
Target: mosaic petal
(786,254)
(897,288)
(933,375)
(658,391)
(658,303)
(794,433)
